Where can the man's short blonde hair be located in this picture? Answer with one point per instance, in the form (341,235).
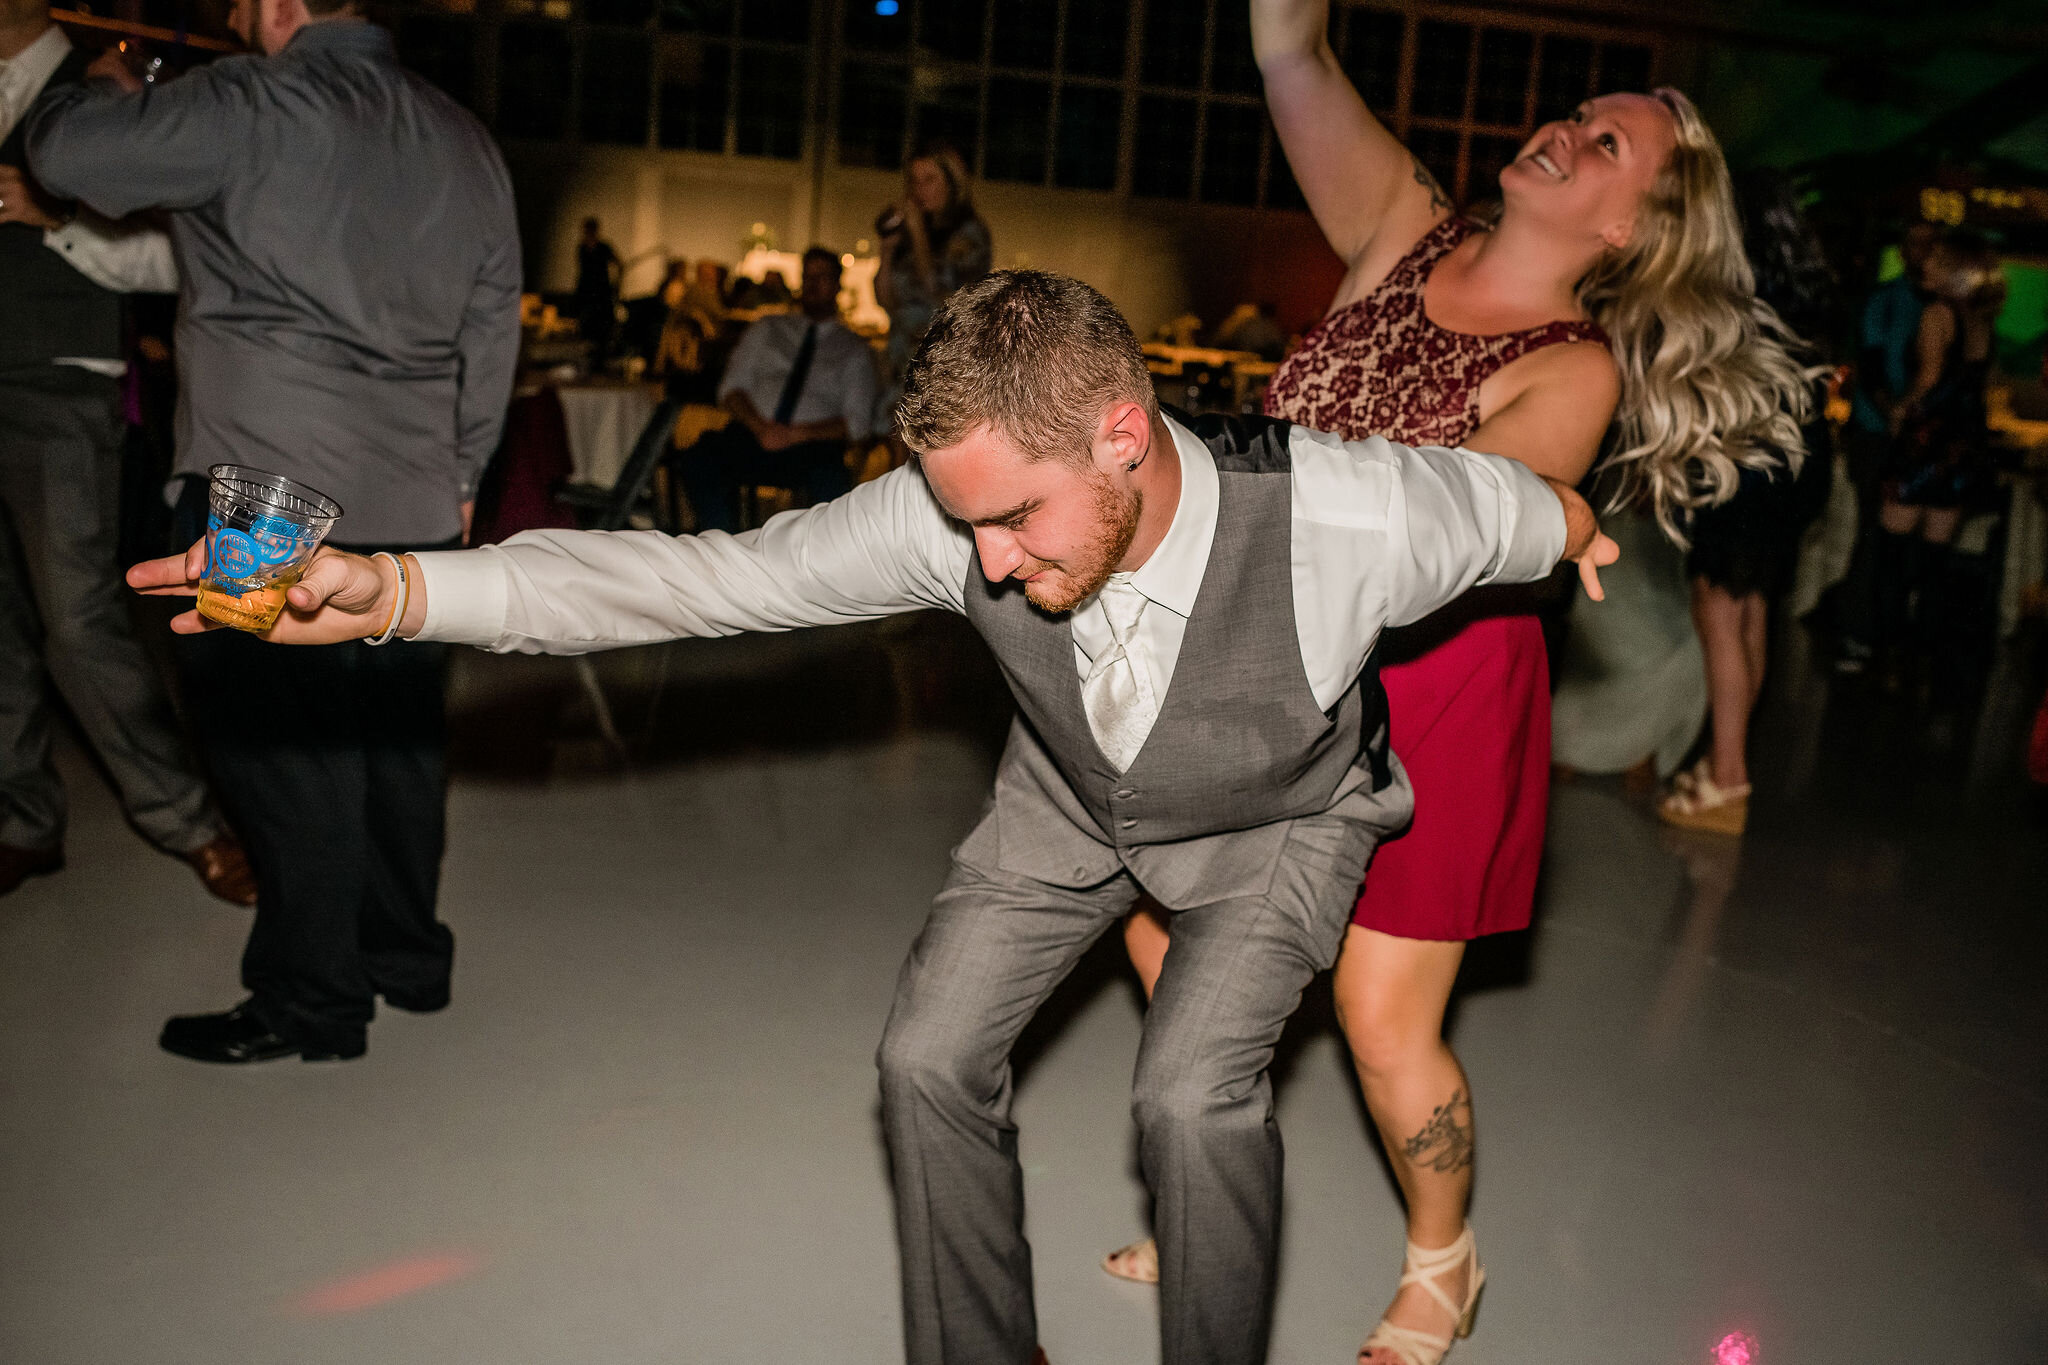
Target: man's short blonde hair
(1035,356)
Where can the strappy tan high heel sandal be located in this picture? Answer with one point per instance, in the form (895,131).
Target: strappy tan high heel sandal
(1391,1345)
(1696,801)
(1138,1262)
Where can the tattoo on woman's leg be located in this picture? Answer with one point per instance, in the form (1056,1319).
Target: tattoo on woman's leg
(1444,1144)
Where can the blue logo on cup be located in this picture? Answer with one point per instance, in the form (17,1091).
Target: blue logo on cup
(269,544)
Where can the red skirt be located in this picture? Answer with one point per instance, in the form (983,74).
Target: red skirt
(1471,724)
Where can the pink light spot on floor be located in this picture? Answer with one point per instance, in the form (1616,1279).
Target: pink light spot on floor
(1737,1348)
(382,1284)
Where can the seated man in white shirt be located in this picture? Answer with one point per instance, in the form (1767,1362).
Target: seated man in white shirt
(800,387)
(1185,613)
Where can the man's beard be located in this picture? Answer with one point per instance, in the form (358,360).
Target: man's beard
(1071,584)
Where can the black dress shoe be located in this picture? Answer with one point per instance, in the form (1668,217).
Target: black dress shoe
(417,1002)
(239,1036)
(17,865)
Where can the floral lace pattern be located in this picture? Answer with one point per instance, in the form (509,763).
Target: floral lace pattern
(1380,367)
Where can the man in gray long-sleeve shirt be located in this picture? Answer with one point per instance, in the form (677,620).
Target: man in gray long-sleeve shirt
(350,319)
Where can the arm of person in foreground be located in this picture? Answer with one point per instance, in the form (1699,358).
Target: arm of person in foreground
(886,547)
(488,343)
(164,146)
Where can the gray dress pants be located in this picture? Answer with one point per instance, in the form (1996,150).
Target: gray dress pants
(64,613)
(994,948)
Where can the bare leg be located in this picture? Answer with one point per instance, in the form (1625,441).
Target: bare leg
(1756,631)
(1719,619)
(1391,994)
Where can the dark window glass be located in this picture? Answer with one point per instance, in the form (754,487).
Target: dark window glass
(630,13)
(776,21)
(442,50)
(1624,67)
(1437,149)
(615,88)
(770,110)
(1026,32)
(1282,190)
(879,32)
(1019,112)
(1172,54)
(1165,164)
(1489,154)
(533,81)
(1443,59)
(1563,77)
(1096,30)
(1230,153)
(1231,66)
(1372,56)
(1502,94)
(951,28)
(1091,126)
(874,106)
(949,113)
(696,16)
(696,84)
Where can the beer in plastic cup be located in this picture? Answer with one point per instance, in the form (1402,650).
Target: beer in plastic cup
(261,529)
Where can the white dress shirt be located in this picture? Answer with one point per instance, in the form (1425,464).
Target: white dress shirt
(1382,535)
(128,257)
(841,382)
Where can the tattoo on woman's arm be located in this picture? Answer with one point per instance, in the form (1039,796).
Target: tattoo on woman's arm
(1444,1144)
(1437,198)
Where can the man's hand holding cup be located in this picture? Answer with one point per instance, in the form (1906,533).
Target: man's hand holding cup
(341,597)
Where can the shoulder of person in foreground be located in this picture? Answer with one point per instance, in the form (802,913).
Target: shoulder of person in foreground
(167,145)
(884,548)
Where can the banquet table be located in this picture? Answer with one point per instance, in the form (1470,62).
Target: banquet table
(604,418)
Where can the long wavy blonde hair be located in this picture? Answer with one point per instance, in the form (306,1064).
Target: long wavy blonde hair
(1710,379)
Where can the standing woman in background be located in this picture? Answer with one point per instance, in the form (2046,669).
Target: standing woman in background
(1613,286)
(932,243)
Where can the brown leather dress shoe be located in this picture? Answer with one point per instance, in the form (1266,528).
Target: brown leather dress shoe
(17,865)
(224,867)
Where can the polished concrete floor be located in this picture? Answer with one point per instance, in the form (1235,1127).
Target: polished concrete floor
(1794,1089)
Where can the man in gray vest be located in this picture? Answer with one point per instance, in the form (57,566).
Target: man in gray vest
(61,605)
(1185,614)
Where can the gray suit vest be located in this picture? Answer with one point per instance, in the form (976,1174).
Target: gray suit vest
(1240,749)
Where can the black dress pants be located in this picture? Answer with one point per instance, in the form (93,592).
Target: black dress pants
(332,760)
(722,462)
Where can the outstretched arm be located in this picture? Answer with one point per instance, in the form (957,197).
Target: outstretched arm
(1363,186)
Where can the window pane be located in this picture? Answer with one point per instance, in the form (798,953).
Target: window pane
(1489,154)
(951,28)
(1372,56)
(696,81)
(771,104)
(1165,164)
(1091,125)
(1230,153)
(442,50)
(874,102)
(1437,148)
(776,21)
(1565,76)
(1282,191)
(615,88)
(1443,59)
(1026,31)
(1096,30)
(1172,53)
(1231,66)
(629,13)
(948,113)
(1624,67)
(878,32)
(696,16)
(533,81)
(1503,89)
(1020,111)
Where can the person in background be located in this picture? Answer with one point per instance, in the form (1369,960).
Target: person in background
(1743,550)
(349,319)
(800,386)
(598,276)
(1252,327)
(932,243)
(63,616)
(1611,286)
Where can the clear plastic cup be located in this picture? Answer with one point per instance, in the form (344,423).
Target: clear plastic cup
(261,529)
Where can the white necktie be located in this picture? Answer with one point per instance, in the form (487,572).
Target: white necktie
(1117,694)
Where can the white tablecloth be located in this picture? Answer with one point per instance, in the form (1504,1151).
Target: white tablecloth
(604,420)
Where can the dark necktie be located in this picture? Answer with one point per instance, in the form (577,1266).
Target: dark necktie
(793,387)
